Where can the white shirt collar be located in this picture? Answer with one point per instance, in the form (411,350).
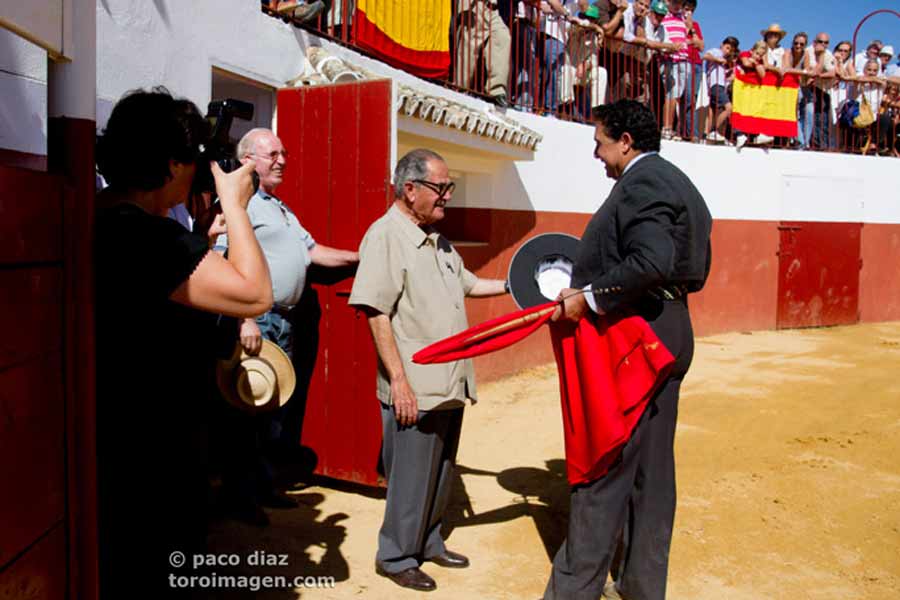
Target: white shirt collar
(636,159)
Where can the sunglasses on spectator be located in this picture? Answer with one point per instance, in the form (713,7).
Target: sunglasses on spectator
(271,156)
(826,42)
(799,43)
(441,189)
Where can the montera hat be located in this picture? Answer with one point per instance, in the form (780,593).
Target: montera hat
(541,268)
(257,383)
(773,28)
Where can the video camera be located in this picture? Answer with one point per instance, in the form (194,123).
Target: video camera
(220,147)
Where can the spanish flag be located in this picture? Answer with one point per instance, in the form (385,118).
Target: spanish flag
(413,35)
(768,106)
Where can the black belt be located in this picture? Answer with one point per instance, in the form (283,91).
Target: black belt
(669,292)
(281,310)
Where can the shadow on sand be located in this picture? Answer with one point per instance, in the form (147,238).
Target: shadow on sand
(541,495)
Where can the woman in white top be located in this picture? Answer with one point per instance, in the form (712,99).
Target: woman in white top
(846,75)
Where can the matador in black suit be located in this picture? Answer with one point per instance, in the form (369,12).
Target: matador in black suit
(644,250)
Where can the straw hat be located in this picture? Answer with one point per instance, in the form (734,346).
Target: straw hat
(773,28)
(257,383)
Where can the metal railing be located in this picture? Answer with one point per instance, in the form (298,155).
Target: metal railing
(511,54)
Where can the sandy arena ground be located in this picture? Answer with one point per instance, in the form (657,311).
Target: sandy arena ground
(788,454)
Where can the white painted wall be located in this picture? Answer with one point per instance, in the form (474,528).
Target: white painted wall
(752,184)
(23,95)
(176,43)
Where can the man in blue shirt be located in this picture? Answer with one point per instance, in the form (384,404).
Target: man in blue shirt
(289,250)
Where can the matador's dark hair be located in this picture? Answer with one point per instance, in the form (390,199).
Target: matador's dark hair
(633,117)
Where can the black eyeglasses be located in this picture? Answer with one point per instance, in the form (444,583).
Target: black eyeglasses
(826,42)
(799,43)
(441,189)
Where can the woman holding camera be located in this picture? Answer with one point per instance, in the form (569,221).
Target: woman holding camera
(159,290)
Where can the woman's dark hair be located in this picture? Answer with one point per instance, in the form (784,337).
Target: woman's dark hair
(145,131)
(733,41)
(633,117)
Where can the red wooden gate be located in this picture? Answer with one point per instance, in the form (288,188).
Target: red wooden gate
(818,274)
(337,182)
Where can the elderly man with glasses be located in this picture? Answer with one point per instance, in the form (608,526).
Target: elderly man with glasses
(411,284)
(289,250)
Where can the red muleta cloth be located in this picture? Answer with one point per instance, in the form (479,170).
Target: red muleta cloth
(607,374)
(489,336)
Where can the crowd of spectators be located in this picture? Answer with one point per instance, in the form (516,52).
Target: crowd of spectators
(569,56)
(566,57)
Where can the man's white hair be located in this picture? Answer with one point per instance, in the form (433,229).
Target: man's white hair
(247,145)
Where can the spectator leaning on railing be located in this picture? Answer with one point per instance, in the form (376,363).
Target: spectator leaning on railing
(526,53)
(582,70)
(870,91)
(691,127)
(889,120)
(822,65)
(674,66)
(845,86)
(719,73)
(893,71)
(557,14)
(753,60)
(872,50)
(798,60)
(885,55)
(301,11)
(774,52)
(481,30)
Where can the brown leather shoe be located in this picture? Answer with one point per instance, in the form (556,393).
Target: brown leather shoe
(413,578)
(450,560)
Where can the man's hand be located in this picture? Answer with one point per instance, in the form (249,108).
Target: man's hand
(406,407)
(251,338)
(572,306)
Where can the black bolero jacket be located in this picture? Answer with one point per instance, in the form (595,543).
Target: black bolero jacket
(652,231)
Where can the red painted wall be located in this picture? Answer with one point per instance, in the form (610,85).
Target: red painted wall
(879,280)
(742,290)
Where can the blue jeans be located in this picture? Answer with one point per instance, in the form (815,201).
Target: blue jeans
(806,116)
(280,330)
(689,101)
(554,57)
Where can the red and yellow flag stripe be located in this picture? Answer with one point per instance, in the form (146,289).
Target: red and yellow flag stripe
(766,106)
(412,35)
